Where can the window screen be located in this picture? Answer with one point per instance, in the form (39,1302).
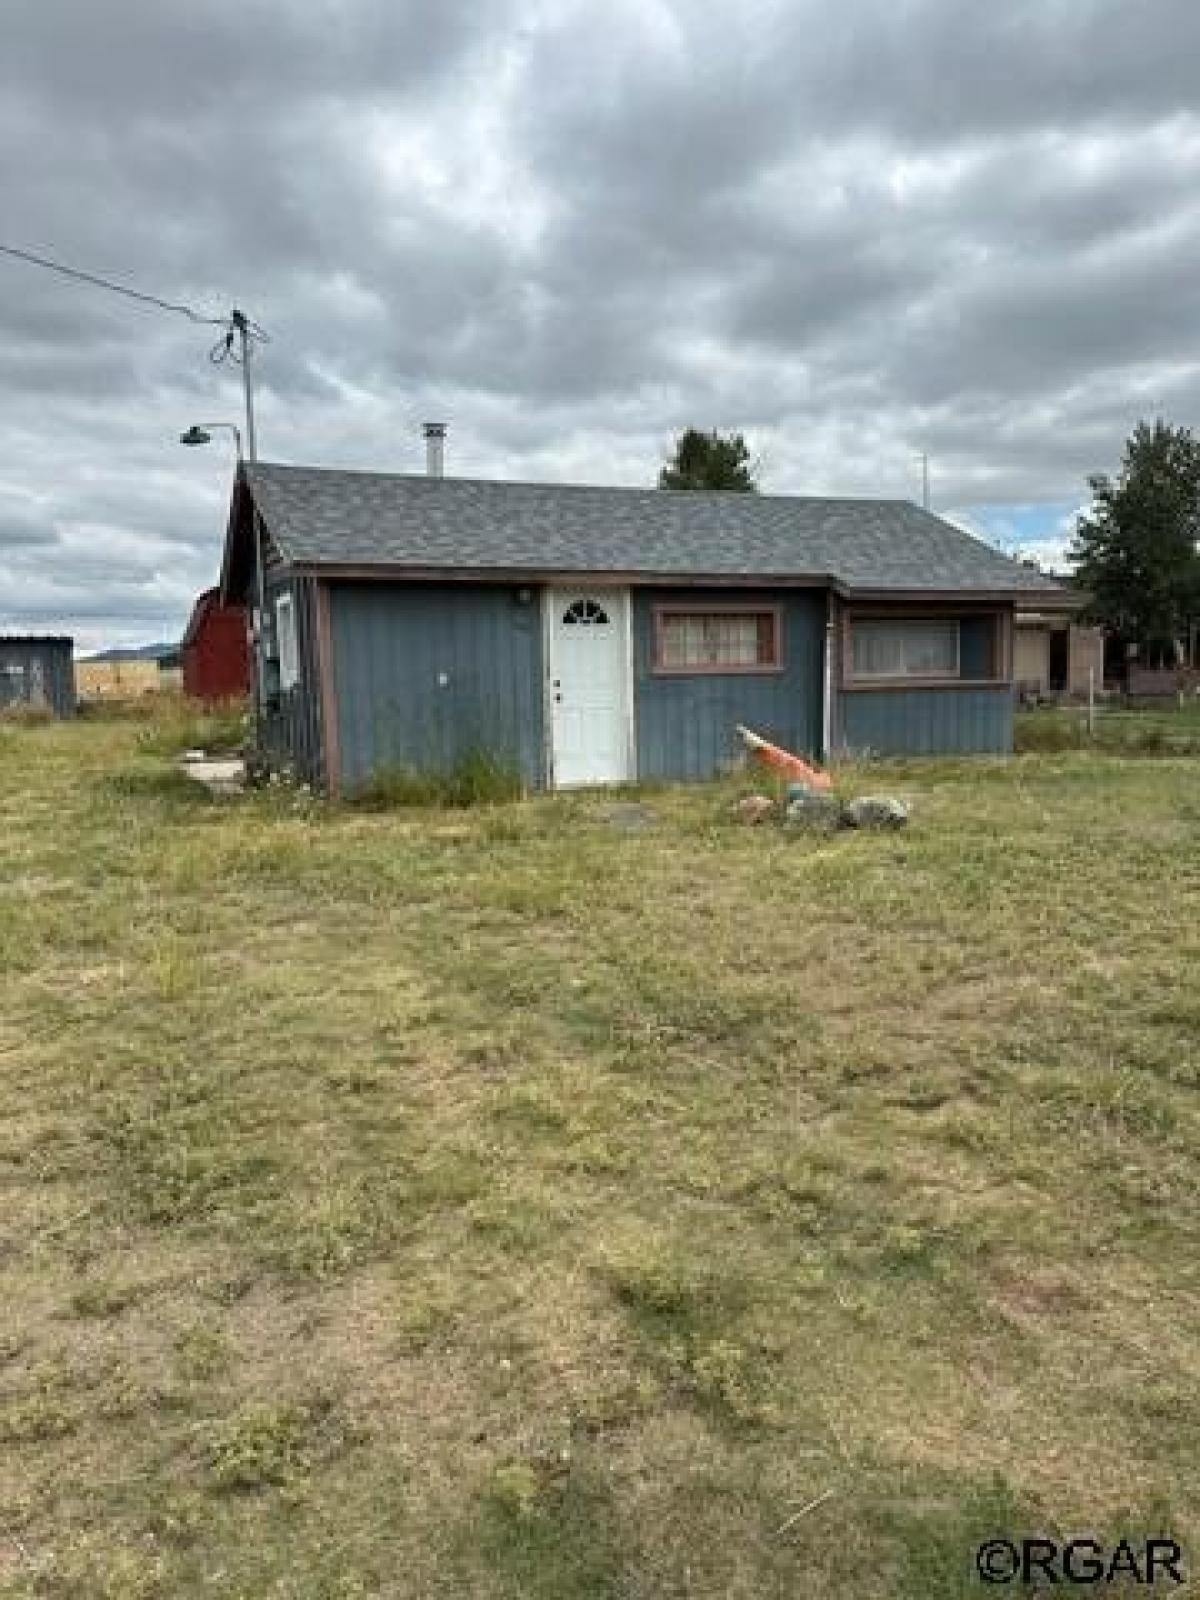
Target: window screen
(715,641)
(905,649)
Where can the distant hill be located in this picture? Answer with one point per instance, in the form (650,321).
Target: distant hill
(138,652)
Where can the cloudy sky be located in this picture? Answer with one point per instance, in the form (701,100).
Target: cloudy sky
(854,231)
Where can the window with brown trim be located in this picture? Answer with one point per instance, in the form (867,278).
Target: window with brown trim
(881,650)
(717,639)
(905,647)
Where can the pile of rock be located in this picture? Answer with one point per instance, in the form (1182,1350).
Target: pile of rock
(811,809)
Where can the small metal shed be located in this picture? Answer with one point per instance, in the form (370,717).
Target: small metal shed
(37,670)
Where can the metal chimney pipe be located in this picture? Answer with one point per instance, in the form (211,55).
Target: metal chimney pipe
(435,448)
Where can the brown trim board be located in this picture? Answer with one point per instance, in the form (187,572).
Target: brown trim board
(518,577)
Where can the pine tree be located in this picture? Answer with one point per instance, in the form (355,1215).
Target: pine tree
(709,461)
(1135,548)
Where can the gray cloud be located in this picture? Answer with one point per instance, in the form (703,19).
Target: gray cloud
(23,533)
(572,230)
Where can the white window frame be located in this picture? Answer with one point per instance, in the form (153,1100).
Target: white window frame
(287,642)
(891,675)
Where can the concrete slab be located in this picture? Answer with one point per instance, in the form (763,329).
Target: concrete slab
(221,774)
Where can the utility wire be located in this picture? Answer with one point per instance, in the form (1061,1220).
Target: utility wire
(119,288)
(226,350)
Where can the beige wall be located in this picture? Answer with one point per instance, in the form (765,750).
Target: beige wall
(1031,656)
(1087,654)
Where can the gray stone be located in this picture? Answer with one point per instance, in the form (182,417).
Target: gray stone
(875,811)
(811,809)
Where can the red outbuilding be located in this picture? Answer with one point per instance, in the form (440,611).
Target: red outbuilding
(216,657)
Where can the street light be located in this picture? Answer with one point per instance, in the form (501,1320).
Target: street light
(201,433)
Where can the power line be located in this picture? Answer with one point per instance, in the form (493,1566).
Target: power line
(116,288)
(239,333)
(239,324)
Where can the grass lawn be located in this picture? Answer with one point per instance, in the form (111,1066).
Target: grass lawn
(549,1200)
(1172,729)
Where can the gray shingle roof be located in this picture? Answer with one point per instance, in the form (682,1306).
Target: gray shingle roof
(320,517)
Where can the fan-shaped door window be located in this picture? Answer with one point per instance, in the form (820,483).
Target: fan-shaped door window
(585,613)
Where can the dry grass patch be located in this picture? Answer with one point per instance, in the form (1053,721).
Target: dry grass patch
(515,1202)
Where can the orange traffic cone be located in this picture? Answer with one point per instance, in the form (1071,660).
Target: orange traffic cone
(784,762)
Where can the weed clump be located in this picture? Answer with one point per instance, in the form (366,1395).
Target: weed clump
(26,715)
(477,778)
(167,785)
(263,1446)
(1048,732)
(220,730)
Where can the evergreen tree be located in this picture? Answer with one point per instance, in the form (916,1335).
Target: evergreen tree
(709,461)
(1135,548)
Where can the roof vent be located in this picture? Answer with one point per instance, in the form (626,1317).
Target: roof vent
(435,448)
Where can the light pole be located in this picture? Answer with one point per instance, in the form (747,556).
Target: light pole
(201,433)
(923,458)
(242,328)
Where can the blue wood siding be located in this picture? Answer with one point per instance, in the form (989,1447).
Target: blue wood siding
(929,721)
(425,674)
(685,724)
(291,731)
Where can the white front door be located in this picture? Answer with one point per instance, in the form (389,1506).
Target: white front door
(590,688)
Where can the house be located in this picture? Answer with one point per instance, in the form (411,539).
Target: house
(597,635)
(37,671)
(1053,654)
(215,651)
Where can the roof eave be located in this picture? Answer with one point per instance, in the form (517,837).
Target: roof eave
(992,595)
(244,506)
(1065,600)
(400,572)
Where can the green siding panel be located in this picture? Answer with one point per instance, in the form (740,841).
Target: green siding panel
(928,721)
(685,725)
(425,674)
